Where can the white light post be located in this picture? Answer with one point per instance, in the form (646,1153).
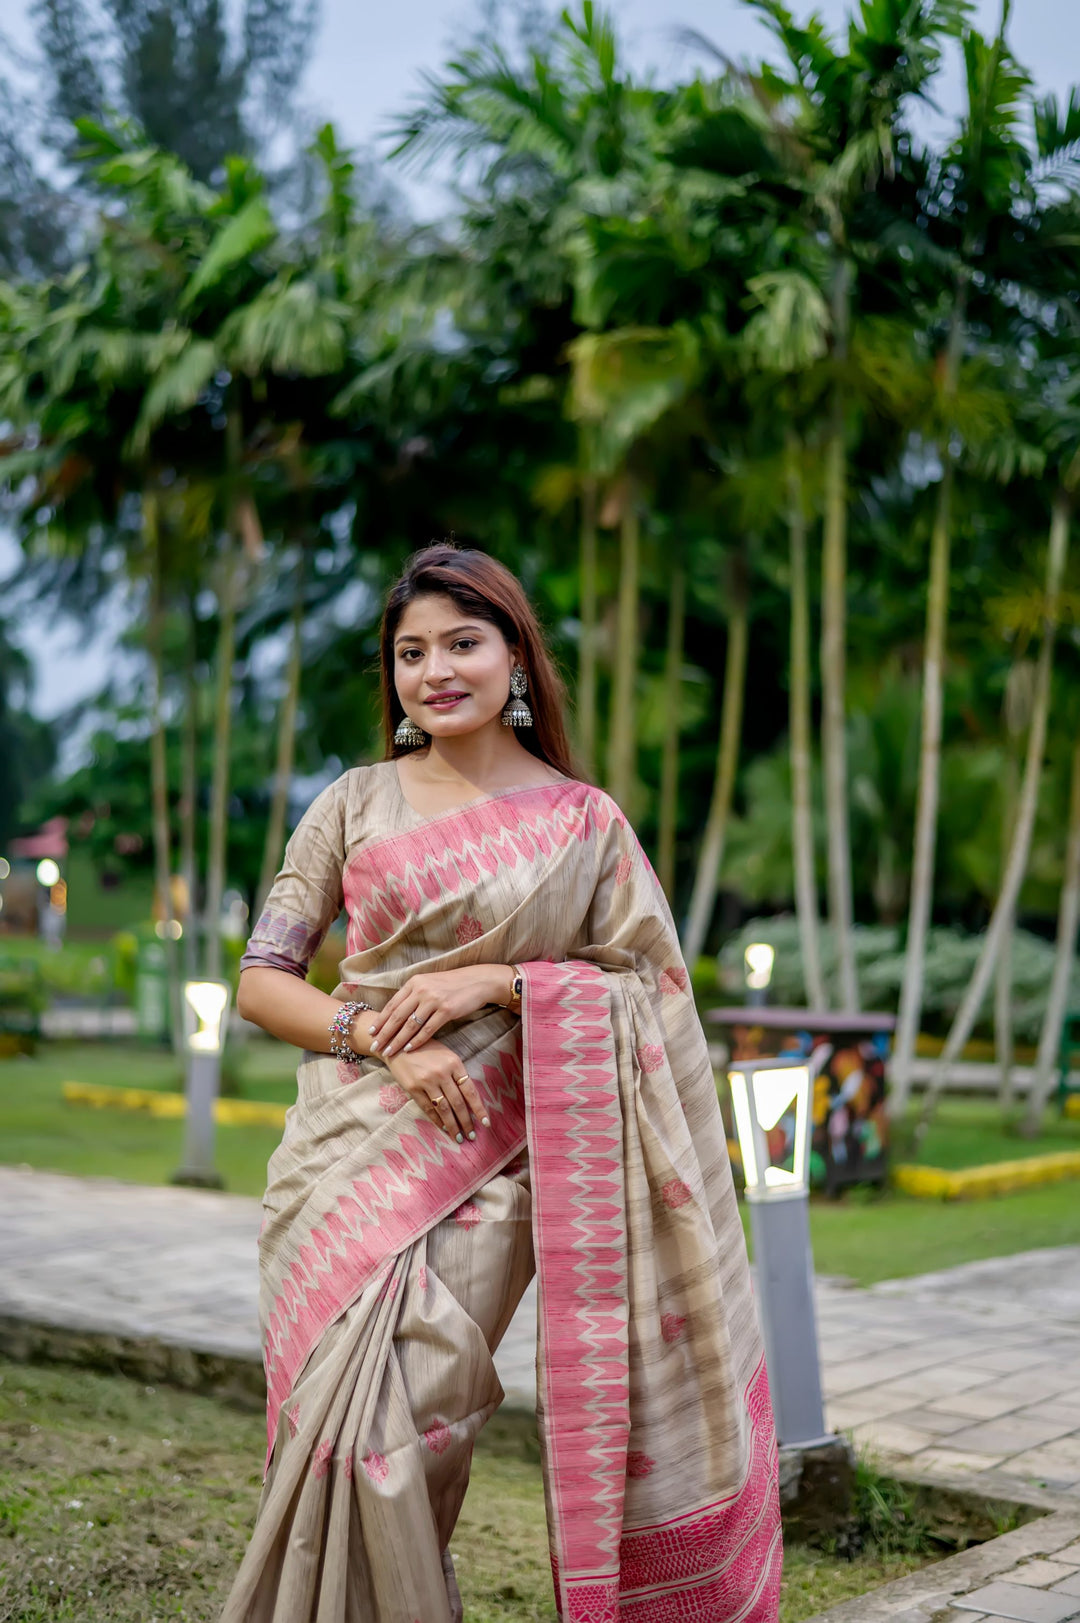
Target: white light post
(206,1009)
(772,1101)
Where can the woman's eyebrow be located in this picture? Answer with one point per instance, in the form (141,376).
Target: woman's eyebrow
(415,636)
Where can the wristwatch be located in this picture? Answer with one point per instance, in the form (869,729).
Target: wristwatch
(514,1003)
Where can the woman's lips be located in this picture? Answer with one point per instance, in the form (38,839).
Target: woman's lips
(445,701)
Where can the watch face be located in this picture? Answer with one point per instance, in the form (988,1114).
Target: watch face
(517,986)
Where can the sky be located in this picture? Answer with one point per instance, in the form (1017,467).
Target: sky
(367,64)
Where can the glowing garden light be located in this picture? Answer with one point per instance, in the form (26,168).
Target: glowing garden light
(759,958)
(771,1102)
(206,1011)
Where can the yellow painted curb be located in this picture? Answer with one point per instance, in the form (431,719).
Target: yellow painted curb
(1001,1178)
(227,1112)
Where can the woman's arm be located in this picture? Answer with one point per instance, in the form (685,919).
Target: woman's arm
(291,1008)
(297,1012)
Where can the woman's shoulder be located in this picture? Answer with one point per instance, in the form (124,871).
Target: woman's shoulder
(352,790)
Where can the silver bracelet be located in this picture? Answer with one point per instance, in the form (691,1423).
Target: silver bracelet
(339,1028)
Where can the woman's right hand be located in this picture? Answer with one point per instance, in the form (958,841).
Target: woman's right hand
(435,1078)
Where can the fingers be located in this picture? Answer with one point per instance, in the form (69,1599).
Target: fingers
(393,1027)
(471,1094)
(418,1030)
(455,1112)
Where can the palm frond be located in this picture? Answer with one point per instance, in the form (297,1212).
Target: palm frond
(623,382)
(288,327)
(791,329)
(241,236)
(176,388)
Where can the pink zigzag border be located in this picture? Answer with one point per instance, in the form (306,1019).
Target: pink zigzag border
(391,1203)
(579,1233)
(720,1563)
(388,881)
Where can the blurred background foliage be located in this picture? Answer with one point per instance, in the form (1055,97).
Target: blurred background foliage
(746,381)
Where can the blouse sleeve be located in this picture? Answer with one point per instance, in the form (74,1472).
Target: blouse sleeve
(306,897)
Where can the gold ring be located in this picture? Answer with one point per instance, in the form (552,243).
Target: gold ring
(441,1100)
(460,1079)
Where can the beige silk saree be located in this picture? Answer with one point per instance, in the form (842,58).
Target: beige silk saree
(392,1258)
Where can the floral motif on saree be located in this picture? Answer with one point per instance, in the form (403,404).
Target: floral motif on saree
(657,1441)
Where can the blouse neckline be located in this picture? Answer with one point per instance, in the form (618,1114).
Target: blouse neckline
(464,805)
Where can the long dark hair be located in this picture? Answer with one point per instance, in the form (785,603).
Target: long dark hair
(484,589)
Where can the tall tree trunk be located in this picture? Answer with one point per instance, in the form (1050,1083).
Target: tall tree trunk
(189,799)
(1046,1065)
(1004,1041)
(669,755)
(802,788)
(711,855)
(1016,867)
(1017,718)
(833,659)
(588,646)
(622,733)
(159,770)
(286,744)
(219,782)
(921,902)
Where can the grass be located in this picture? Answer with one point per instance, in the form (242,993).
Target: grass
(121,1503)
(40,1130)
(970,1133)
(865,1236)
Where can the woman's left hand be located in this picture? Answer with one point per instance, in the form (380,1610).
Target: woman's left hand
(426,1003)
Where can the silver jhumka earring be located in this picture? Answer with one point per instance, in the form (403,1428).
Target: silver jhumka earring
(408,735)
(516,712)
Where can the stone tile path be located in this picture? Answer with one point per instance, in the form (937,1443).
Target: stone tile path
(971,1375)
(1029,1576)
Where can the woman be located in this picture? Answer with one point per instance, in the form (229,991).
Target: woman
(519,1071)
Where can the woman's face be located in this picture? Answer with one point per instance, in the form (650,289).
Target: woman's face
(452,672)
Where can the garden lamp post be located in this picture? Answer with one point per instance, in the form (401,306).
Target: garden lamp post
(206,1010)
(772,1100)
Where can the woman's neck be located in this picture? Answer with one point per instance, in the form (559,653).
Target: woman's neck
(482,760)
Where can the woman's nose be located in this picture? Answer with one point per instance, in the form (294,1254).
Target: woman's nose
(438,667)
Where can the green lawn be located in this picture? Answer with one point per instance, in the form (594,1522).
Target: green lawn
(866,1237)
(970,1133)
(121,1503)
(38,1129)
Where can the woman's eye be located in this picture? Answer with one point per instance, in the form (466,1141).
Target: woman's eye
(466,643)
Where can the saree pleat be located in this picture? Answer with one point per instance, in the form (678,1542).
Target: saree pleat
(371,1456)
(392,1259)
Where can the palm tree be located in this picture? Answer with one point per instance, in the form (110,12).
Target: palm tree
(989,155)
(786,339)
(711,850)
(843,142)
(802,789)
(966,1015)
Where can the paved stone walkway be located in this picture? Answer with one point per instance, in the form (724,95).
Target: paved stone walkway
(971,1375)
(1029,1576)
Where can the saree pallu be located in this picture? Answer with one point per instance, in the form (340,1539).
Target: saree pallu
(392,1258)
